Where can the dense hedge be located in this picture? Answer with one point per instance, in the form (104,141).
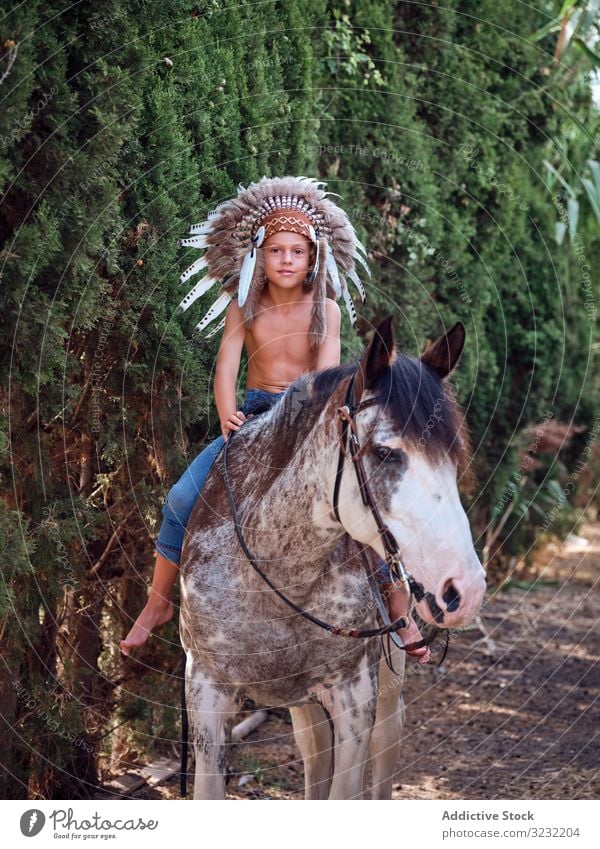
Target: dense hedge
(122,124)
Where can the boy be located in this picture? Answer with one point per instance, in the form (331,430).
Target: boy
(292,328)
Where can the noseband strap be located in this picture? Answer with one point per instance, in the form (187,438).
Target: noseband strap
(350,444)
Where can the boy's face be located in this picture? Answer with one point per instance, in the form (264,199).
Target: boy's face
(287,258)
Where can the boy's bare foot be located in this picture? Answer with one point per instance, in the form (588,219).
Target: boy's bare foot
(412,634)
(156,612)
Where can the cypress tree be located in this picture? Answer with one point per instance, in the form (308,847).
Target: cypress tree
(123,125)
(149,115)
(454,131)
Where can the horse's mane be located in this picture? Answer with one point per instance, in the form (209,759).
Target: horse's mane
(420,404)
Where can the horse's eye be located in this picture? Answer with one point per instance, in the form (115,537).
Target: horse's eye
(384,452)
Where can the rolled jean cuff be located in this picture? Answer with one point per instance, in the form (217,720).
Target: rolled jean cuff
(169,552)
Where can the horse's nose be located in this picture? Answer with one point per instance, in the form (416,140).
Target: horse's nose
(451,597)
(461,598)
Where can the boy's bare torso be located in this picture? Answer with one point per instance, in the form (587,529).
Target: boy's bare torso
(278,344)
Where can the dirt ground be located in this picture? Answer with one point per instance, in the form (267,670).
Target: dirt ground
(509,714)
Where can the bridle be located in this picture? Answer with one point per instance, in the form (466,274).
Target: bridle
(335,630)
(352,405)
(349,442)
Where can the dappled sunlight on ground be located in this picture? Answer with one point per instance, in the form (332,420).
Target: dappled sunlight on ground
(508,715)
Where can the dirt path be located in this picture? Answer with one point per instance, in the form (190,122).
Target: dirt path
(515,718)
(509,716)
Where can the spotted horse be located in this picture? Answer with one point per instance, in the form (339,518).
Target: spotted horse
(286,535)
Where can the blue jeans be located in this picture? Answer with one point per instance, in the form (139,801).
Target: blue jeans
(182,497)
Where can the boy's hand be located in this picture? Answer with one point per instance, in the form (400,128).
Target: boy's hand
(234,422)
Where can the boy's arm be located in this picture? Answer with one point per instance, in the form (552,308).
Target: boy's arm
(227,370)
(329,351)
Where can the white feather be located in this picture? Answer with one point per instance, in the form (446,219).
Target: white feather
(194,242)
(361,289)
(217,308)
(334,274)
(349,304)
(195,293)
(202,228)
(363,262)
(315,269)
(246,275)
(218,208)
(216,329)
(360,246)
(323,255)
(194,268)
(312,181)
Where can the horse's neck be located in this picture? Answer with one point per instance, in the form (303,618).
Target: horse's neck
(286,515)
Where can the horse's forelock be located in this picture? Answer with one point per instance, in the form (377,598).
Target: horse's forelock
(422,408)
(419,404)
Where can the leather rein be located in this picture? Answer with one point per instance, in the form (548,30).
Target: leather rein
(348,441)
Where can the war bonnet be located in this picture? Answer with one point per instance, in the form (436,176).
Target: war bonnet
(234,232)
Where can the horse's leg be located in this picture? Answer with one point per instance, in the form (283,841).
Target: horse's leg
(209,710)
(352,710)
(385,740)
(312,732)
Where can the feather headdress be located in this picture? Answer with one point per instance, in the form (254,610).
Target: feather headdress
(234,232)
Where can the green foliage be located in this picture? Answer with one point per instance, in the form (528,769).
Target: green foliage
(442,166)
(124,124)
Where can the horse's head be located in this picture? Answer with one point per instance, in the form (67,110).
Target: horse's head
(413,441)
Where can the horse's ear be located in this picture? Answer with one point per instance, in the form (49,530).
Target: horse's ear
(442,355)
(379,354)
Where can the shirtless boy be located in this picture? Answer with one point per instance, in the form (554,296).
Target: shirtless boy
(279,351)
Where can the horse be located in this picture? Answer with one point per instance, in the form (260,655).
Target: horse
(300,512)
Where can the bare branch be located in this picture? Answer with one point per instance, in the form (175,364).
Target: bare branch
(109,546)
(12,55)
